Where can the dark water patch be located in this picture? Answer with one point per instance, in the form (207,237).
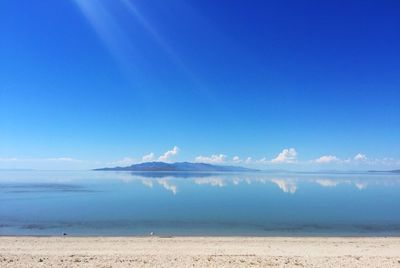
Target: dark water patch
(42,187)
(176,227)
(40,226)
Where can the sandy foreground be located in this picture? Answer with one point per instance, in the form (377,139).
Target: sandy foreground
(198,252)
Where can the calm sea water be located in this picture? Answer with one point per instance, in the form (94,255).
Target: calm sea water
(261,204)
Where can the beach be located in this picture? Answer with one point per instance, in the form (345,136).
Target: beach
(199,252)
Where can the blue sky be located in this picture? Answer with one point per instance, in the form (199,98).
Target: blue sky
(304,85)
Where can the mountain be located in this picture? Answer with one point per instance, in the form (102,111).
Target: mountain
(180,166)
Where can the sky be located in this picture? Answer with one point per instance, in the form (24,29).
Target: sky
(299,85)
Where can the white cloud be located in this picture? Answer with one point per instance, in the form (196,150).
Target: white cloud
(386,161)
(53,163)
(10,159)
(126,161)
(214,159)
(64,159)
(54,159)
(236,159)
(326,159)
(148,157)
(167,155)
(347,161)
(286,156)
(360,157)
(263,160)
(163,158)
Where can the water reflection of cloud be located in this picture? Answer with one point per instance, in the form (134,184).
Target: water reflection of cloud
(286,185)
(327,182)
(124,177)
(236,181)
(333,183)
(147,182)
(165,183)
(360,185)
(248,181)
(263,181)
(168,185)
(211,181)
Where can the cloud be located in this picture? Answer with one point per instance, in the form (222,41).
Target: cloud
(64,159)
(286,156)
(148,157)
(213,159)
(163,158)
(167,155)
(360,157)
(53,163)
(53,159)
(386,161)
(126,161)
(285,185)
(10,159)
(236,159)
(389,161)
(326,159)
(263,160)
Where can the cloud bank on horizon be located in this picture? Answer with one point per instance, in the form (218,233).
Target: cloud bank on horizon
(288,158)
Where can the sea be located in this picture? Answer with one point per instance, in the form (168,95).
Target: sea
(108,203)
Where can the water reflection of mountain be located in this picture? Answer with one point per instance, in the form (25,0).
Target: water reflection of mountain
(172,174)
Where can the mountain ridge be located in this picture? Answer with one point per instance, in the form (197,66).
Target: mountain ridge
(178,166)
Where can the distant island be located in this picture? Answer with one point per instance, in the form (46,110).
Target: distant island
(179,166)
(390,171)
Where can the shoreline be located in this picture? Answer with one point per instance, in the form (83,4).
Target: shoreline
(202,236)
(199,251)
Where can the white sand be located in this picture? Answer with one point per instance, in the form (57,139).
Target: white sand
(198,252)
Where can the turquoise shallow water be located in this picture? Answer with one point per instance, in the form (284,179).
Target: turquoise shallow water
(260,204)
